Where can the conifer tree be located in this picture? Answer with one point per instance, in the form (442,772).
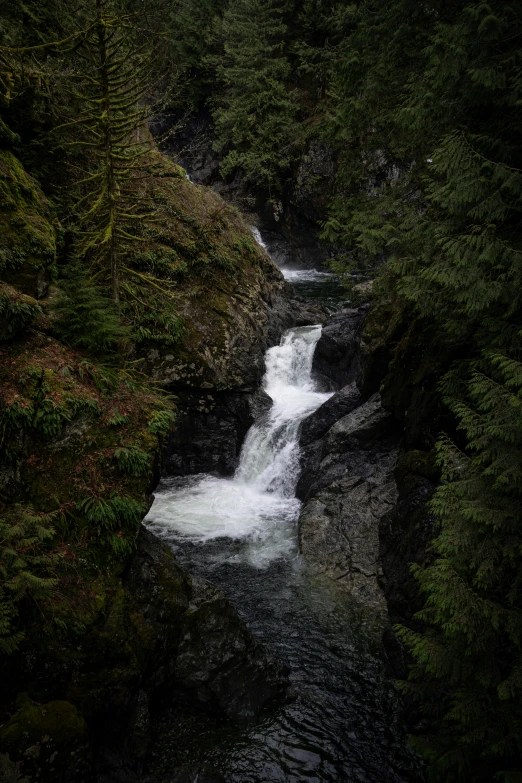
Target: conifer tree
(460,261)
(27,570)
(256,114)
(111,86)
(468,660)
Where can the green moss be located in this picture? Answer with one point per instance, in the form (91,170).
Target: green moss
(50,740)
(17,311)
(193,255)
(58,719)
(27,230)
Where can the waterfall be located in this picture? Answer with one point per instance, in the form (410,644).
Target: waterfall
(256,233)
(257,505)
(295,275)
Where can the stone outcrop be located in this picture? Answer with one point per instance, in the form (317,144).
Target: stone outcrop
(210,431)
(348,486)
(337,356)
(339,405)
(368,462)
(291,225)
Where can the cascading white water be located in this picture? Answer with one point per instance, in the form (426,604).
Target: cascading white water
(256,233)
(295,275)
(258,503)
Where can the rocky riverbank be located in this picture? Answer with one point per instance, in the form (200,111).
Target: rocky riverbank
(367,462)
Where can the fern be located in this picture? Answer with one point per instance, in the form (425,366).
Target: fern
(114,521)
(27,568)
(132,461)
(87,319)
(161,422)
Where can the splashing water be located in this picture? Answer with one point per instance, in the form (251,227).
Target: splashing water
(258,503)
(256,233)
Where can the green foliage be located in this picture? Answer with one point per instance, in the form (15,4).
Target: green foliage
(158,325)
(114,521)
(425,109)
(118,419)
(161,422)
(87,319)
(44,410)
(27,569)
(255,117)
(111,78)
(133,461)
(189,26)
(468,661)
(16,312)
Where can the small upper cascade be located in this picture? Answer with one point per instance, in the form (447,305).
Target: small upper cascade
(259,239)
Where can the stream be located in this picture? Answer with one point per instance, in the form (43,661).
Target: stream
(342,720)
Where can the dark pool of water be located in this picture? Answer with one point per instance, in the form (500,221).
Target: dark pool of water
(343,720)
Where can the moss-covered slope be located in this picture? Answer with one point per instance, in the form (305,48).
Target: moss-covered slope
(80,454)
(28,230)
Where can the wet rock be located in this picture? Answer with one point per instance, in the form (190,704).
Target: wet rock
(209,433)
(260,403)
(406,533)
(348,487)
(219,658)
(337,357)
(352,446)
(342,403)
(339,532)
(196,775)
(10,770)
(157,633)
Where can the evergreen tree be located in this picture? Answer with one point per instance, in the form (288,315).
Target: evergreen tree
(255,117)
(111,86)
(27,570)
(460,261)
(87,318)
(468,661)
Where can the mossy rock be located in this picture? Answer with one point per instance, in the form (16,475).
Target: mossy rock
(27,230)
(17,311)
(49,741)
(202,265)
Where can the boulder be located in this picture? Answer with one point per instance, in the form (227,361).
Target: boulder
(219,658)
(353,445)
(339,405)
(337,360)
(348,487)
(50,741)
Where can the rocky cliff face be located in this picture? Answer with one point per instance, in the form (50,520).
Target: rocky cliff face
(348,486)
(368,466)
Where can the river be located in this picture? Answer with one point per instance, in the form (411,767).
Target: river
(342,720)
